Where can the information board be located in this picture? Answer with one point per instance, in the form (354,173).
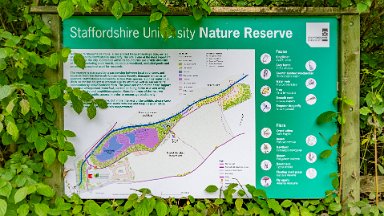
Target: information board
(231,99)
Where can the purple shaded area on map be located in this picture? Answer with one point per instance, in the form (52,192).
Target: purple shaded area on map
(120,142)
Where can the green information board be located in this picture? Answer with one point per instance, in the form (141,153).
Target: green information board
(271,77)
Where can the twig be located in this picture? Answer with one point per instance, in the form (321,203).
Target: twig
(376,174)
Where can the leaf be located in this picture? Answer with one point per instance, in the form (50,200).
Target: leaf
(85,96)
(77,104)
(192,2)
(65,53)
(25,107)
(325,154)
(326,117)
(62,156)
(335,183)
(10,106)
(32,134)
(69,133)
(286,203)
(5,91)
(23,210)
(91,111)
(334,139)
(41,209)
(79,60)
(239,203)
(66,9)
(49,156)
(274,205)
(101,103)
(3,53)
(117,10)
(45,40)
(21,194)
(161,208)
(54,91)
(40,144)
(365,111)
(45,190)
(6,190)
(3,207)
(378,108)
(127,6)
(362,7)
(155,16)
(335,207)
(197,13)
(211,189)
(258,2)
(381,168)
(241,193)
(12,130)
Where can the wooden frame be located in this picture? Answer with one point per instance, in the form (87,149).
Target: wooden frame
(349,80)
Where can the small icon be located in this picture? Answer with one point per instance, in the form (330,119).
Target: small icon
(310,83)
(265,58)
(266,148)
(266,181)
(265,74)
(311,140)
(265,106)
(266,165)
(310,99)
(266,132)
(311,173)
(265,91)
(310,65)
(311,157)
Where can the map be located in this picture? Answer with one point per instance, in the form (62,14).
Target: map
(208,134)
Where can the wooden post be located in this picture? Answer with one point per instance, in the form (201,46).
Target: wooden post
(53,76)
(350,88)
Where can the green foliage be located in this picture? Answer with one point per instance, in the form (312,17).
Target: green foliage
(31,141)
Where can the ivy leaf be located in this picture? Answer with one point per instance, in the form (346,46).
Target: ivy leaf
(25,107)
(326,117)
(12,130)
(91,111)
(161,208)
(21,194)
(5,91)
(40,144)
(211,189)
(101,103)
(66,9)
(49,156)
(3,207)
(41,209)
(117,10)
(79,60)
(325,154)
(54,92)
(155,16)
(45,190)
